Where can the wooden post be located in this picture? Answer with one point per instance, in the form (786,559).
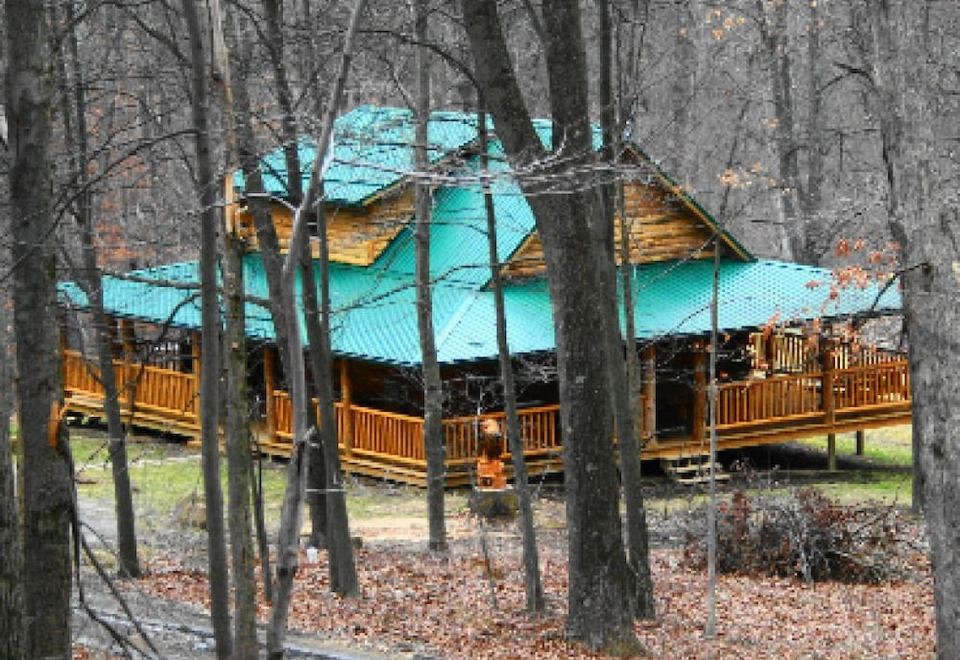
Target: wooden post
(649,375)
(269,387)
(195,343)
(829,405)
(126,384)
(346,398)
(699,395)
(861,441)
(828,400)
(832,452)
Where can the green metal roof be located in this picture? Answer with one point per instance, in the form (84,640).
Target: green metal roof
(371,152)
(375,310)
(375,306)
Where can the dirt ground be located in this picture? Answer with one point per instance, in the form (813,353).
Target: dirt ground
(416,604)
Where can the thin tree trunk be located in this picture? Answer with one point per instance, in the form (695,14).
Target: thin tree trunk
(623,408)
(210,343)
(128,563)
(343,572)
(47,500)
(432,386)
(287,544)
(316,473)
(239,461)
(11,558)
(531,560)
(600,595)
(269,247)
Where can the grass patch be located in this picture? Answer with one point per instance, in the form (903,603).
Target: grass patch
(882,447)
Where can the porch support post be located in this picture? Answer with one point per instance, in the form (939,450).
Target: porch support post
(195,343)
(125,384)
(269,386)
(699,395)
(829,404)
(649,393)
(346,400)
(861,441)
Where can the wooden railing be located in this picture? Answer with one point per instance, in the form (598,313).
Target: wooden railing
(401,436)
(786,397)
(876,384)
(155,389)
(745,402)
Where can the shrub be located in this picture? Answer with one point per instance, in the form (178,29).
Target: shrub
(803,533)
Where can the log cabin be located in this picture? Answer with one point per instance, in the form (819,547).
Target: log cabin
(785,369)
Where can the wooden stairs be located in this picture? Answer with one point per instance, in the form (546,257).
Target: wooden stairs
(693,470)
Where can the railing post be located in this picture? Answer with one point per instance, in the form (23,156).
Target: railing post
(270,386)
(649,394)
(195,343)
(829,405)
(699,394)
(861,441)
(126,385)
(346,398)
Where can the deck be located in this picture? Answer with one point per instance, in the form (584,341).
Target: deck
(390,445)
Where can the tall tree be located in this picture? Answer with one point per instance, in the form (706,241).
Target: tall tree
(76,136)
(531,559)
(432,386)
(617,373)
(916,52)
(11,558)
(239,461)
(210,327)
(47,498)
(288,536)
(600,597)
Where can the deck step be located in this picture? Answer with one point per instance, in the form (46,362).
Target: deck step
(693,470)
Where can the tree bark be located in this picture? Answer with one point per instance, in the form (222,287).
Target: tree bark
(90,278)
(600,597)
(343,571)
(269,246)
(617,375)
(47,499)
(11,557)
(913,42)
(533,586)
(239,461)
(432,386)
(210,343)
(287,544)
(316,472)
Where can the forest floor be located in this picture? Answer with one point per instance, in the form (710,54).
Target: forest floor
(417,604)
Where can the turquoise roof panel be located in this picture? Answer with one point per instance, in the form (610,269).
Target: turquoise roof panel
(371,152)
(374,311)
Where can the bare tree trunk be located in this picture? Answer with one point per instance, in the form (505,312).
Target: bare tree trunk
(269,247)
(210,346)
(916,43)
(623,409)
(531,560)
(47,501)
(11,558)
(600,597)
(343,572)
(128,563)
(287,544)
(239,462)
(316,473)
(432,386)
